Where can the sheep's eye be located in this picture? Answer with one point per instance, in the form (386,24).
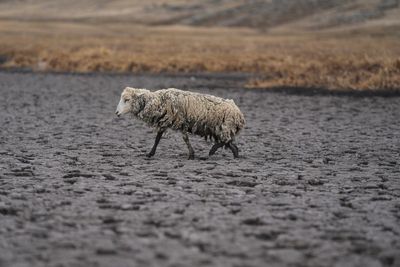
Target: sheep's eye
(126,100)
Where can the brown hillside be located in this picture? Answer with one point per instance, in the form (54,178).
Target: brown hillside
(340,45)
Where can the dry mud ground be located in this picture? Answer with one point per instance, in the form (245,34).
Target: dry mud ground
(317,184)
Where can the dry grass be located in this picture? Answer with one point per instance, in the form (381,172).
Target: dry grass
(334,61)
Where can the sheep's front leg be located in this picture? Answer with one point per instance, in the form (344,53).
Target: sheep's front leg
(189,146)
(153,150)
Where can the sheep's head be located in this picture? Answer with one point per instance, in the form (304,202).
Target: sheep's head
(132,100)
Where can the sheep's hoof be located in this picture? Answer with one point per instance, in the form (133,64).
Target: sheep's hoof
(191,156)
(149,155)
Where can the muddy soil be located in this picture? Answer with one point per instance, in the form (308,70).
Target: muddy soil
(317,184)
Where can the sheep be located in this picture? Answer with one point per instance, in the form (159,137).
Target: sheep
(200,114)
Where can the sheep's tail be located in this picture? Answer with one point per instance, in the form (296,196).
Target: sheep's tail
(238,121)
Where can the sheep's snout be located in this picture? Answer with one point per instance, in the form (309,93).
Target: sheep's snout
(122,108)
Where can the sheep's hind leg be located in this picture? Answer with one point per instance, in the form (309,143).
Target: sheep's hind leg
(189,146)
(215,148)
(153,150)
(234,149)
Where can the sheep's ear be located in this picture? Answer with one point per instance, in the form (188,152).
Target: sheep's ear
(143,98)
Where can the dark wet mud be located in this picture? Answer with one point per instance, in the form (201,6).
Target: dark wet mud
(317,184)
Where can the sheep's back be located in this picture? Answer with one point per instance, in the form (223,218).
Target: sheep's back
(201,114)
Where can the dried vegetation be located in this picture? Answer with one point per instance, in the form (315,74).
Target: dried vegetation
(336,61)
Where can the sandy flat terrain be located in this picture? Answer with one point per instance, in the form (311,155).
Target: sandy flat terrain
(317,183)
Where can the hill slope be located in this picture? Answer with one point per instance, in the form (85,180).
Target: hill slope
(333,44)
(266,14)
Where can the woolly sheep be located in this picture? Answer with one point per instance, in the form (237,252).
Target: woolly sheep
(188,112)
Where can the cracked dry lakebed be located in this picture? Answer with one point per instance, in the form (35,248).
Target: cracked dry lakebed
(317,183)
